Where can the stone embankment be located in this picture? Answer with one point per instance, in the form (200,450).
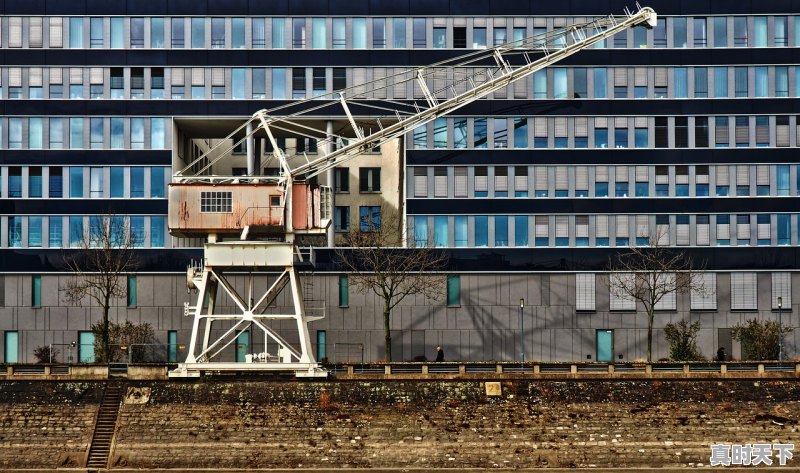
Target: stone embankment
(415,424)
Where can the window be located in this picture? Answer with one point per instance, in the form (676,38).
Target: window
(369,218)
(460,37)
(500,133)
(117,184)
(601,137)
(76,32)
(418,33)
(478,38)
(14,232)
(76,182)
(211,202)
(782,179)
(740,32)
(520,133)
(480,133)
(679,32)
(620,137)
(439,37)
(95,32)
(742,132)
(720,32)
(341,217)
(761,83)
(619,299)
(198,33)
(721,132)
(131,291)
(14,133)
(95,183)
(278,33)
(501,230)
(521,230)
(763,229)
(700,37)
(399,29)
(369,179)
(760,32)
(542,230)
(137,133)
(55,184)
(781,28)
(744,295)
(75,231)
(700,82)
(177,34)
(481,230)
(278,83)
(157,183)
(379,33)
(117,83)
(237,33)
(298,83)
(344,290)
(720,82)
(56,133)
(440,231)
(660,33)
(784,229)
(743,229)
(157,225)
(420,137)
(36,291)
(453,290)
(681,132)
(579,83)
(781,81)
(342,180)
(600,83)
(339,33)
(359,33)
(440,133)
(96,133)
(117,33)
(584,292)
(681,83)
(156,32)
(500,36)
(461,232)
(540,84)
(421,231)
(704,292)
(55,230)
(560,83)
(640,37)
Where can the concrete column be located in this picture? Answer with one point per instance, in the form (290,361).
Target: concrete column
(251,152)
(330,178)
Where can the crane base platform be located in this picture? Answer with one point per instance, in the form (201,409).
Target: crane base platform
(299,370)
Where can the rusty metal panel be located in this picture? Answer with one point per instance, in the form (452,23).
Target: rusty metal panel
(249,204)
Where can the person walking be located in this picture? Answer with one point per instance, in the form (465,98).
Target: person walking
(721,354)
(439,353)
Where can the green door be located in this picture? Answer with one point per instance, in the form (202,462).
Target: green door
(242,346)
(605,345)
(85,347)
(12,347)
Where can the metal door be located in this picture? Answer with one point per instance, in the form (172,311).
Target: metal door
(242,346)
(605,345)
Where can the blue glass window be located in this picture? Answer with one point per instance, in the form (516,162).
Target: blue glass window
(117,185)
(359,33)
(459,133)
(640,137)
(540,84)
(440,231)
(117,33)
(157,187)
(480,133)
(762,82)
(601,138)
(461,231)
(600,83)
(75,133)
(521,230)
(137,231)
(157,231)
(399,26)
(76,32)
(34,232)
(55,229)
(198,33)
(560,82)
(75,231)
(318,33)
(137,182)
(76,182)
(621,189)
(720,82)
(784,229)
(278,83)
(681,83)
(278,33)
(440,133)
(500,230)
(601,189)
(369,218)
(620,137)
(481,230)
(14,232)
(782,179)
(642,189)
(237,83)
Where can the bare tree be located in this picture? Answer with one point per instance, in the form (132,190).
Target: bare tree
(106,254)
(647,274)
(376,262)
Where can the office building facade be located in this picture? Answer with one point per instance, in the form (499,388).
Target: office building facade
(685,134)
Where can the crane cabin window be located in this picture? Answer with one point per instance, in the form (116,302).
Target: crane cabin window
(215,202)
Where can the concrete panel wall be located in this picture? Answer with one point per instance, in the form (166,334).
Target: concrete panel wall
(485,326)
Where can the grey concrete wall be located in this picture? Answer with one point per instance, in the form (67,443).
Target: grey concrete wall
(485,326)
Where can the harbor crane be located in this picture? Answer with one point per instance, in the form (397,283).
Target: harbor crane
(251,223)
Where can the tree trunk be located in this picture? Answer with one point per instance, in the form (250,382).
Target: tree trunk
(650,336)
(387,349)
(105,335)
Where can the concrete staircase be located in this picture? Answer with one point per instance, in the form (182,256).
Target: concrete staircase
(105,425)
